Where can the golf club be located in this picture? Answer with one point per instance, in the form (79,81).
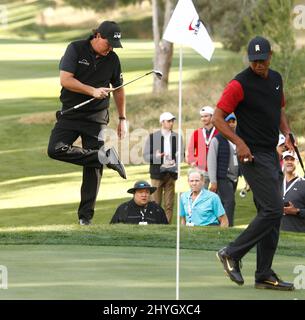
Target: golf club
(59,113)
(296,149)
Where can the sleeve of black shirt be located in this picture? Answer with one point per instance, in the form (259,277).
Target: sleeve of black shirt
(117,217)
(69,60)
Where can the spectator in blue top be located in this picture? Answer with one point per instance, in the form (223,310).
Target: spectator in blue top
(200,207)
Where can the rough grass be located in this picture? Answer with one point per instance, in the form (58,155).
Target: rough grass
(203,238)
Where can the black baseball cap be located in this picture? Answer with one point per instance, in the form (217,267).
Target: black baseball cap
(258,49)
(142,185)
(112,32)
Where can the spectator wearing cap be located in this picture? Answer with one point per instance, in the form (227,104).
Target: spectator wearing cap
(280,149)
(139,210)
(256,97)
(201,207)
(223,169)
(88,69)
(199,143)
(161,152)
(293,195)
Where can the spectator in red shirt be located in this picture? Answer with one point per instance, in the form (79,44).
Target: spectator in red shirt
(198,146)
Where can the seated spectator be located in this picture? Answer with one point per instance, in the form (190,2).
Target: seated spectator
(293,195)
(223,169)
(200,207)
(139,210)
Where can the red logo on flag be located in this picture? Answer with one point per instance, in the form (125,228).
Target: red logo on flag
(190,26)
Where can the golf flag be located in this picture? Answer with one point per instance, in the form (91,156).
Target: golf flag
(185,28)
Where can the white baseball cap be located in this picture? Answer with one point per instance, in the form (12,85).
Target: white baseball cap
(166,116)
(289,154)
(281,139)
(206,110)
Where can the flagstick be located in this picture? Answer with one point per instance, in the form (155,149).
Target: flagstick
(179,172)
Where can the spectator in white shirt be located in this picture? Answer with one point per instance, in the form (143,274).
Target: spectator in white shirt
(161,152)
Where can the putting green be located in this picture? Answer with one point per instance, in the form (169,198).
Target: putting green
(88,272)
(110,273)
(202,277)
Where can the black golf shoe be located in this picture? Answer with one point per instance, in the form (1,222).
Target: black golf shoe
(274,283)
(85,222)
(115,163)
(231,266)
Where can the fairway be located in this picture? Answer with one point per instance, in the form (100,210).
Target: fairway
(115,273)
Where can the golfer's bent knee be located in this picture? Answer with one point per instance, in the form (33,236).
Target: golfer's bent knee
(55,151)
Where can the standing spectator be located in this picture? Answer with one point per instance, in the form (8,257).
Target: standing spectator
(280,149)
(293,195)
(87,69)
(139,210)
(161,152)
(223,169)
(200,207)
(257,99)
(198,146)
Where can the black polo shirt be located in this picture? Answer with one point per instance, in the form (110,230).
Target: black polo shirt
(96,71)
(257,104)
(130,213)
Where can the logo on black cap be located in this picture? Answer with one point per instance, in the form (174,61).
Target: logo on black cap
(259,49)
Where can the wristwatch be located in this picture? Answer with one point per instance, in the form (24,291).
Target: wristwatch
(122,118)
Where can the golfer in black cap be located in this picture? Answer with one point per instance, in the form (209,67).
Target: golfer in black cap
(140,210)
(87,70)
(256,97)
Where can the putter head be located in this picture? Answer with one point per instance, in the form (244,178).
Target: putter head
(158,73)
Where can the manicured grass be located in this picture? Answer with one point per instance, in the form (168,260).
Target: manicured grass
(202,277)
(83,272)
(132,273)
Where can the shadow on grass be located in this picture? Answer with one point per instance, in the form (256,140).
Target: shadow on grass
(17,107)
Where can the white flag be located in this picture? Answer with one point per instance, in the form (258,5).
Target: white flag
(185,28)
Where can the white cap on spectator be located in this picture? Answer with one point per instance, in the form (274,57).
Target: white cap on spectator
(281,139)
(206,110)
(289,154)
(166,116)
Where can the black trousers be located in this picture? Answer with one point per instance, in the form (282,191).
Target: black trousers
(61,148)
(226,190)
(265,178)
